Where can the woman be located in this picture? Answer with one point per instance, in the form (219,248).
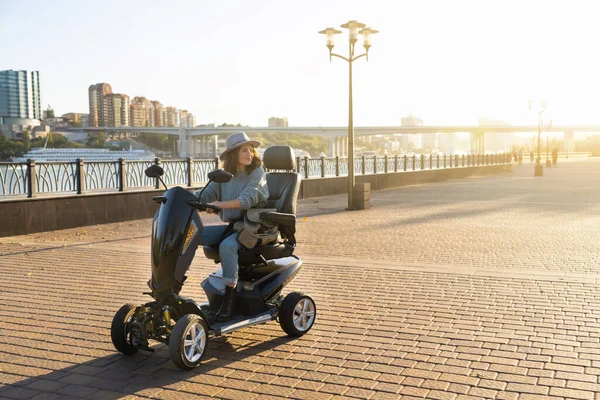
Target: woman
(246,189)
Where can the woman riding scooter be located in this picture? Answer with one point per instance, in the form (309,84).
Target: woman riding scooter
(245,190)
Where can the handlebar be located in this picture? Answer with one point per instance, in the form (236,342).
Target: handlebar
(203,206)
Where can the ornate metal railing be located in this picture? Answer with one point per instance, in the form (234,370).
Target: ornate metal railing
(33,178)
(13,178)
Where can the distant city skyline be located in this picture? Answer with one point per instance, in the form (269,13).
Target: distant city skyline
(449,63)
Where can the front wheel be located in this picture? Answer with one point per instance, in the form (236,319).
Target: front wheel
(188,340)
(297,314)
(119,329)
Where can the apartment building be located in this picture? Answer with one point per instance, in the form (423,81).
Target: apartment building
(96,95)
(116,106)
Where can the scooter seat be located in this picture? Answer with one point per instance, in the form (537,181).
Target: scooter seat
(253,256)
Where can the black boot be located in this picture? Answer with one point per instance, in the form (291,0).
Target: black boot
(224,313)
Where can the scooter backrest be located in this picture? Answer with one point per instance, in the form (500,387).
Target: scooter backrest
(283,186)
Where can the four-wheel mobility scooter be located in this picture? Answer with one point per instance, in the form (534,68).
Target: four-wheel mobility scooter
(264,271)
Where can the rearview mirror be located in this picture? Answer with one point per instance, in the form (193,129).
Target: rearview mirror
(154,171)
(219,176)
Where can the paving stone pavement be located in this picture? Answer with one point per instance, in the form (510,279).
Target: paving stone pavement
(484,288)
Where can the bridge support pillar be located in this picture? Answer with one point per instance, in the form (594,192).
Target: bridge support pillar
(345,146)
(335,142)
(215,145)
(182,143)
(569,142)
(192,148)
(331,147)
(477,142)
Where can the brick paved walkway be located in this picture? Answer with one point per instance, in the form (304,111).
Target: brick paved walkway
(471,289)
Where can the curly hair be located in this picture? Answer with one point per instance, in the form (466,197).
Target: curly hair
(231,161)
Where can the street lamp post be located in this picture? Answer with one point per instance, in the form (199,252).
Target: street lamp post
(353,31)
(539,169)
(548,126)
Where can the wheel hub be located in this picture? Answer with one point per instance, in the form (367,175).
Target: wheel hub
(194,342)
(304,314)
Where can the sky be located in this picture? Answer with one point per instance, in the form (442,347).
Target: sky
(447,62)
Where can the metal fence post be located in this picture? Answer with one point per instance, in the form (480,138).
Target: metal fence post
(337,165)
(31,178)
(385,164)
(438,161)
(306,167)
(322,167)
(216,162)
(414,162)
(298,167)
(445,162)
(396,163)
(363,165)
(79,176)
(190,165)
(422,161)
(405,162)
(122,175)
(157,162)
(374,164)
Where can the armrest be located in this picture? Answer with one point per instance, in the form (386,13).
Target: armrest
(281,219)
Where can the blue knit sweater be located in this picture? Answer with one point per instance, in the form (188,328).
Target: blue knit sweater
(250,189)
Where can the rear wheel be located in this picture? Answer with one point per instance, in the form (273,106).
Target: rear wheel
(119,329)
(188,340)
(297,314)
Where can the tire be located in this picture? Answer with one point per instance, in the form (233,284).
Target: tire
(188,341)
(119,329)
(297,314)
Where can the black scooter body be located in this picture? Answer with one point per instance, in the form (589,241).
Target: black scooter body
(170,260)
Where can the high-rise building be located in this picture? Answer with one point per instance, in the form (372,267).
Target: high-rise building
(150,116)
(183,118)
(136,114)
(276,122)
(160,114)
(172,117)
(186,119)
(96,94)
(142,112)
(116,106)
(20,99)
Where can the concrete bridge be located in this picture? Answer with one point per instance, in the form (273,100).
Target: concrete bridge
(203,140)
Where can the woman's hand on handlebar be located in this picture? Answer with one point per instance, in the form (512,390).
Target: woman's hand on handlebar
(213,207)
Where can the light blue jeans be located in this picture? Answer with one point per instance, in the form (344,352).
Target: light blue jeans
(228,250)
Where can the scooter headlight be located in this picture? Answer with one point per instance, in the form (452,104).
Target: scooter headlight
(192,230)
